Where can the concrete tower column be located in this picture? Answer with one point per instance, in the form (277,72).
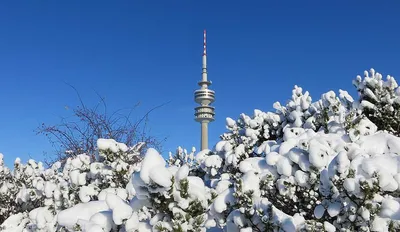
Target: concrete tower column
(204,135)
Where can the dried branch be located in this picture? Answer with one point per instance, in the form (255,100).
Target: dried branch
(78,134)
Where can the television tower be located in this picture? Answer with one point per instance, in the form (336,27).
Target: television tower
(204,96)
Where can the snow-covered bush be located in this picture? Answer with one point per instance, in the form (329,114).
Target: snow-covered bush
(172,199)
(8,190)
(269,148)
(307,166)
(329,165)
(380,100)
(253,136)
(182,157)
(167,199)
(37,194)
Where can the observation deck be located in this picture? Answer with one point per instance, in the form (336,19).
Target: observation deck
(204,96)
(204,113)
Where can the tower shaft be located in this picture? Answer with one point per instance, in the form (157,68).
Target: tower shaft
(204,135)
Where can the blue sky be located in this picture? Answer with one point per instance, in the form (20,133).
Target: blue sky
(150,51)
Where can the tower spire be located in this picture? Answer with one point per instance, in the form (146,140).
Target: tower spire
(204,43)
(204,96)
(204,67)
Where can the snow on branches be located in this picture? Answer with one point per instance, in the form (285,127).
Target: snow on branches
(380,100)
(35,195)
(328,165)
(167,199)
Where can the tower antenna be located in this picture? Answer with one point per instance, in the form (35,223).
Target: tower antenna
(204,43)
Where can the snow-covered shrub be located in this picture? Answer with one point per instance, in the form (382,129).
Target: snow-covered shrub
(182,157)
(280,170)
(285,182)
(362,187)
(254,136)
(329,165)
(8,190)
(176,200)
(261,144)
(17,191)
(35,191)
(167,199)
(120,161)
(380,100)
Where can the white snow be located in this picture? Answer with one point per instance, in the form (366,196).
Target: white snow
(120,209)
(152,162)
(84,211)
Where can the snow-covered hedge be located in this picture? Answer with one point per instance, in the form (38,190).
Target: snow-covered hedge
(328,165)
(34,195)
(167,199)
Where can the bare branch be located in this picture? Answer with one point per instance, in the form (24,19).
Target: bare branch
(79,133)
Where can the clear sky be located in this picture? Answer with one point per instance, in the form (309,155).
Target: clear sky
(150,51)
